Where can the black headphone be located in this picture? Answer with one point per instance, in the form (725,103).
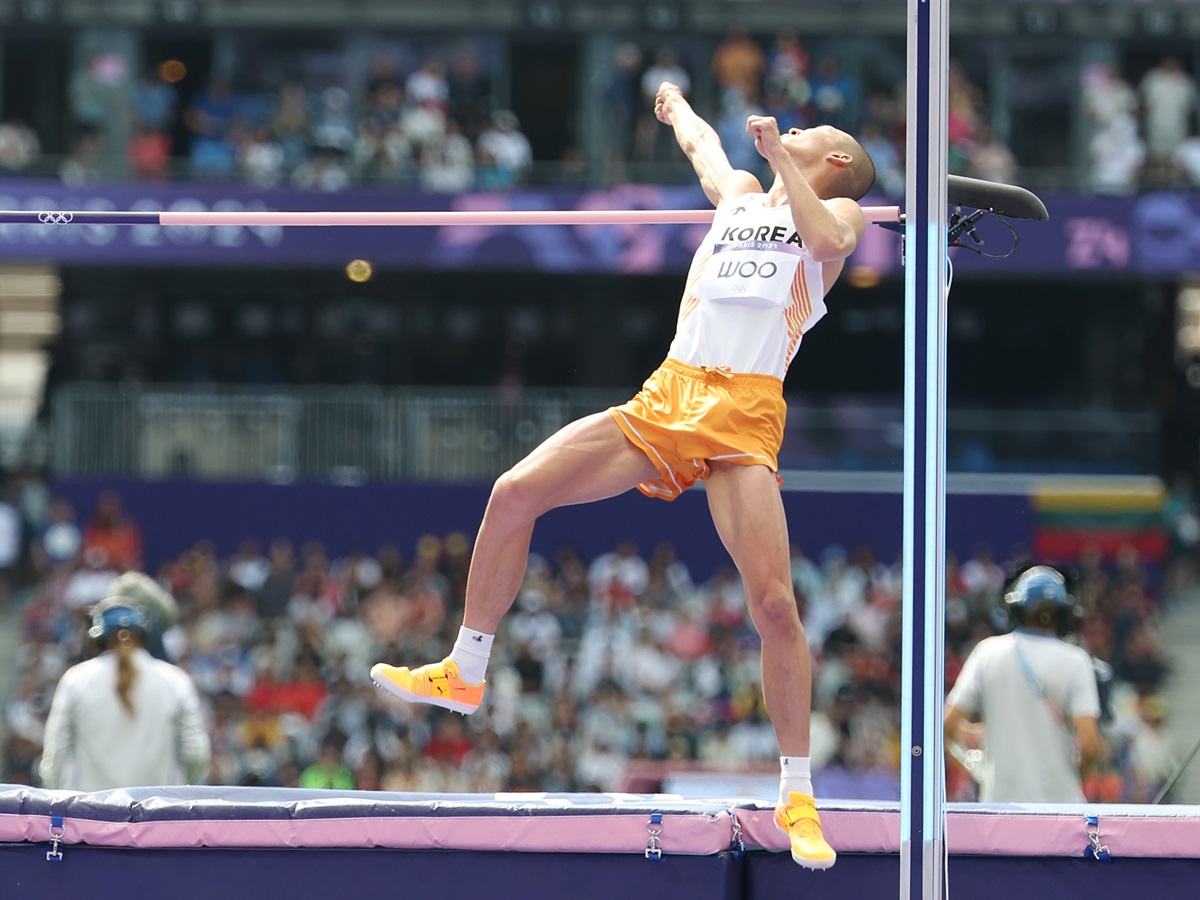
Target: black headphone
(1023,586)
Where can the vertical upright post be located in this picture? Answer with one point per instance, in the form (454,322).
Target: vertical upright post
(922,800)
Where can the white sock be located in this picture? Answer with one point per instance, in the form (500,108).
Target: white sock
(471,653)
(794,775)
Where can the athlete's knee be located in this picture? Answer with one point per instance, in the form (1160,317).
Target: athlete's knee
(516,496)
(774,611)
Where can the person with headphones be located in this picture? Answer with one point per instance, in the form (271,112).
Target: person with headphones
(153,601)
(1028,700)
(123,718)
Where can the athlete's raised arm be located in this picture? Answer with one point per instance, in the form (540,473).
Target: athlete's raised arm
(830,228)
(702,146)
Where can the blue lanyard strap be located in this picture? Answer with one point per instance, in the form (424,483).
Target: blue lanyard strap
(1035,683)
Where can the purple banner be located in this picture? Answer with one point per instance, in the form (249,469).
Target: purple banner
(174,515)
(1154,234)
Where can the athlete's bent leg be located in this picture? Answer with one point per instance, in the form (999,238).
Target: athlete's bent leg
(590,459)
(747,511)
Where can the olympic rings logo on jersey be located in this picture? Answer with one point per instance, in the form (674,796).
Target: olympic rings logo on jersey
(55,218)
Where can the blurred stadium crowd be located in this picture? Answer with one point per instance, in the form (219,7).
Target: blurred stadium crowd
(603,663)
(437,122)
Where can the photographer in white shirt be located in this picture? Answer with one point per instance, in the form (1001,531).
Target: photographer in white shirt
(123,718)
(1028,700)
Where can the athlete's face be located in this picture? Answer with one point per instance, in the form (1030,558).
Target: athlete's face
(812,144)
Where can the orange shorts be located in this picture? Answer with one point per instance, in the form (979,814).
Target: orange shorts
(684,417)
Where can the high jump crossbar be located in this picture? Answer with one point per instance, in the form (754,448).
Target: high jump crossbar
(962,192)
(389,218)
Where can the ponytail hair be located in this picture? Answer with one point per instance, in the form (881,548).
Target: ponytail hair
(118,624)
(127,672)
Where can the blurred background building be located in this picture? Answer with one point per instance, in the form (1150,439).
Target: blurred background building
(294,430)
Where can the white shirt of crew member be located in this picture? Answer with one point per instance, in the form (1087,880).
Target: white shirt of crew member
(1030,753)
(93,744)
(752,292)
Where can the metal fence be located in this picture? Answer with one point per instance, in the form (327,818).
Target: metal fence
(17,436)
(360,434)
(349,435)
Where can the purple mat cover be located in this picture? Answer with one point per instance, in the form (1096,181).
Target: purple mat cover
(192,817)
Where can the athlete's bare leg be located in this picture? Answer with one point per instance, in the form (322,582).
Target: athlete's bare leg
(748,513)
(590,459)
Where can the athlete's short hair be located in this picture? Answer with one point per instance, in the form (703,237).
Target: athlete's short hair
(857,178)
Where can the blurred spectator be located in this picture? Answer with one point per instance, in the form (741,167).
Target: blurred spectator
(428,84)
(302,694)
(262,159)
(1181,517)
(83,165)
(149,153)
(623,105)
(504,152)
(334,125)
(989,158)
(965,105)
(981,574)
(889,171)
(210,124)
(276,586)
(731,129)
(450,167)
(651,142)
(10,547)
(449,743)
(384,73)
(328,772)
(1187,160)
(787,112)
(155,101)
(836,95)
(101,103)
(248,568)
(396,156)
(1117,155)
(324,172)
(291,123)
(739,64)
(19,146)
(423,126)
(60,540)
(1168,96)
(470,91)
(1141,661)
(387,107)
(787,67)
(1151,759)
(115,533)
(666,67)
(1107,95)
(616,579)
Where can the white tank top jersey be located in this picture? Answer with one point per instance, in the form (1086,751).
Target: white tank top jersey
(752,292)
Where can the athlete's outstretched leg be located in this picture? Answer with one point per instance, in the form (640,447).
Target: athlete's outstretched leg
(590,459)
(748,513)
